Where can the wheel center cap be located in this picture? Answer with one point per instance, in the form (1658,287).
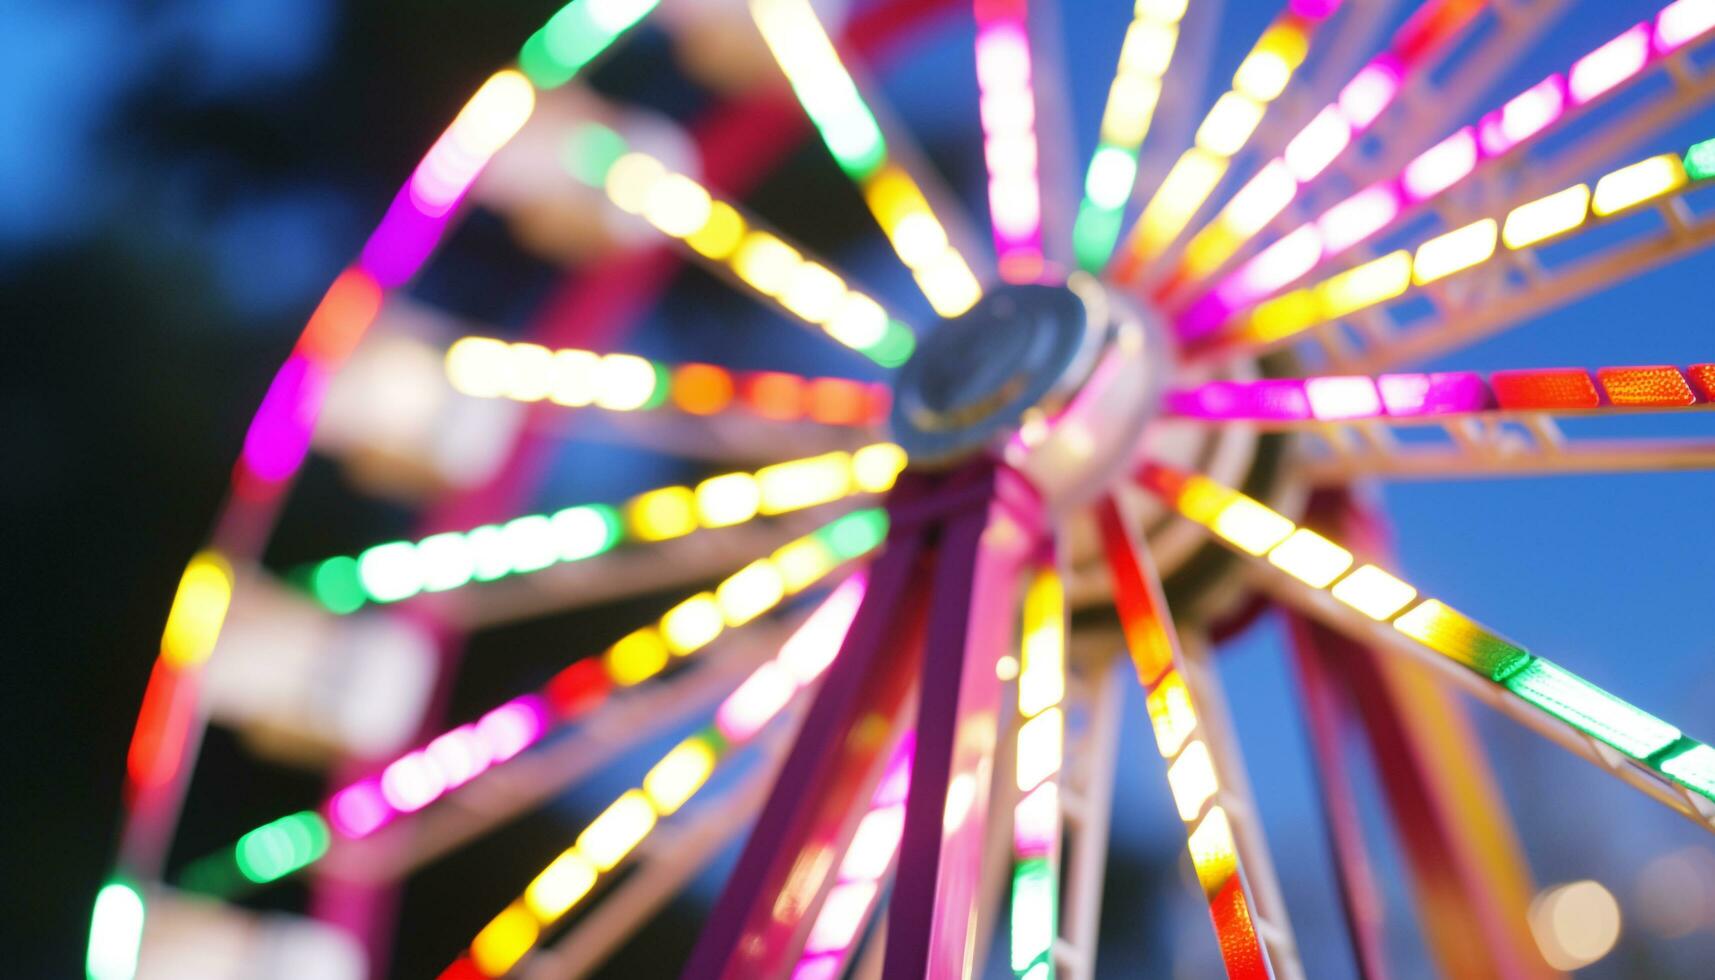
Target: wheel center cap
(1040,373)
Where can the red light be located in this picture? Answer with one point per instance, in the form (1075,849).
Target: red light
(701,389)
(1554,388)
(579,687)
(338,323)
(463,969)
(158,743)
(1240,949)
(1703,376)
(1645,386)
(776,396)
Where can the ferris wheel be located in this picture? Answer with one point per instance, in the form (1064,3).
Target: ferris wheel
(906,611)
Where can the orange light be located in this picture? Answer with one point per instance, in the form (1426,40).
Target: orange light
(834,401)
(158,743)
(1555,388)
(776,396)
(341,318)
(701,389)
(1645,386)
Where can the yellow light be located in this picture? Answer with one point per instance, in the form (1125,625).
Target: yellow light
(918,238)
(619,828)
(1203,499)
(1168,10)
(627,383)
(677,205)
(576,376)
(1546,217)
(1310,558)
(1456,251)
(1212,246)
(1148,47)
(1365,285)
(949,283)
(766,262)
(199,609)
(1042,676)
(1643,181)
(858,323)
(532,372)
(1250,526)
(804,482)
(692,624)
(636,657)
(479,366)
(661,514)
(560,885)
(1171,714)
(801,563)
(1575,924)
(679,775)
(1262,75)
(1212,852)
(504,941)
(750,592)
(720,233)
(630,180)
(1181,194)
(726,500)
(1131,107)
(1229,124)
(813,293)
(494,114)
(1447,631)
(1285,315)
(1374,593)
(1192,780)
(876,467)
(1040,742)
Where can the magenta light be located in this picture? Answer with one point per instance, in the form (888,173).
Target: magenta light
(1343,397)
(1358,217)
(1314,9)
(1036,821)
(1525,115)
(280,432)
(512,727)
(1609,65)
(1410,395)
(1681,22)
(358,810)
(1441,166)
(1202,317)
(401,243)
(1269,399)
(1370,92)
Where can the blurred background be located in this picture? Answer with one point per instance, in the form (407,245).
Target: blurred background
(179,181)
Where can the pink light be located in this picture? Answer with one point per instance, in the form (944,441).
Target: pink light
(279,434)
(842,915)
(813,645)
(1008,116)
(1036,821)
(1441,166)
(358,810)
(1318,143)
(1274,398)
(755,703)
(1357,217)
(1335,398)
(825,966)
(1528,113)
(460,755)
(1409,395)
(1609,65)
(1003,55)
(1314,9)
(895,783)
(1263,196)
(874,843)
(411,782)
(1275,267)
(1370,92)
(512,727)
(1680,22)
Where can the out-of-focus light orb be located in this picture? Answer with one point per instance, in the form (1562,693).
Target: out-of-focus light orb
(1676,893)
(1575,924)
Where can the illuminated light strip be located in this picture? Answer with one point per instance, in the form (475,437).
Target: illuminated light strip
(857,884)
(683,209)
(1008,113)
(1144,59)
(399,570)
(805,53)
(1260,79)
(1173,719)
(1524,117)
(483,367)
(575,35)
(1039,756)
(1558,693)
(1532,223)
(115,932)
(1343,398)
(669,784)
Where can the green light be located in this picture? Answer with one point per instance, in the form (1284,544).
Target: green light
(1095,234)
(1112,172)
(895,346)
(115,932)
(277,849)
(855,533)
(1033,925)
(590,151)
(663,385)
(488,544)
(1591,710)
(390,572)
(1692,764)
(335,585)
(530,542)
(572,37)
(1700,160)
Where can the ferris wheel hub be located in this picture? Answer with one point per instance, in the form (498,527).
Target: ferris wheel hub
(1058,380)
